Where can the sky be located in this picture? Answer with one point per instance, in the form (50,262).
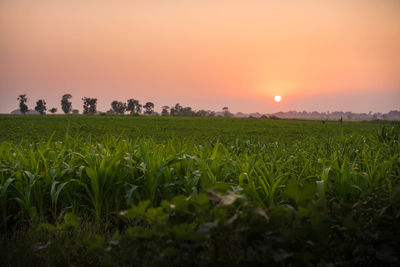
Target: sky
(318,55)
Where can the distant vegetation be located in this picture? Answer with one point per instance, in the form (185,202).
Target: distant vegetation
(66,105)
(41,107)
(89,105)
(133,107)
(23,108)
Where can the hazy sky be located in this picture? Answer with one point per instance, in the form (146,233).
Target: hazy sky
(318,55)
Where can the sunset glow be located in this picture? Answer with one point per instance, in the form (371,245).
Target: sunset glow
(277,98)
(327,55)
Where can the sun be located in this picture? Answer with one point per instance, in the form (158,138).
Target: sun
(277,98)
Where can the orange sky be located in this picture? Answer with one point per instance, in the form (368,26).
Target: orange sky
(319,55)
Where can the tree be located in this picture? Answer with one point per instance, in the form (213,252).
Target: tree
(66,105)
(89,105)
(118,107)
(41,107)
(202,113)
(176,110)
(22,106)
(187,111)
(53,110)
(133,106)
(138,108)
(164,111)
(226,112)
(149,108)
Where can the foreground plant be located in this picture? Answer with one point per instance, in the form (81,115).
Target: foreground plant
(115,200)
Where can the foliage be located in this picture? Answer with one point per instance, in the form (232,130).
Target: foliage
(223,228)
(199,129)
(22,103)
(164,111)
(179,110)
(89,105)
(226,112)
(176,110)
(221,191)
(134,106)
(149,108)
(118,107)
(41,107)
(66,105)
(53,110)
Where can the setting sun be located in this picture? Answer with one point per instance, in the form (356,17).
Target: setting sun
(171,52)
(277,98)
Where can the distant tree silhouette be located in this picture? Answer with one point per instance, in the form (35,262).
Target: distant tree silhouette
(118,107)
(201,113)
(226,112)
(66,105)
(41,107)
(89,105)
(176,110)
(179,110)
(75,111)
(53,110)
(133,106)
(187,111)
(149,108)
(164,111)
(22,103)
(138,107)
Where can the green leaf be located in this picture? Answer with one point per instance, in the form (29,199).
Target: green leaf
(70,220)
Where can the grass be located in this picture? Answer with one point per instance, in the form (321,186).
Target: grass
(151,190)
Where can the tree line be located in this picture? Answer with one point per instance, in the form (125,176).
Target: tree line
(131,106)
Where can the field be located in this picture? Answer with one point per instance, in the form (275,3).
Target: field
(150,191)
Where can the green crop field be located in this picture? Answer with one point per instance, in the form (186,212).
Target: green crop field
(173,191)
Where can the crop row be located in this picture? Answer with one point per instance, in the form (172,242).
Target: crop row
(41,181)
